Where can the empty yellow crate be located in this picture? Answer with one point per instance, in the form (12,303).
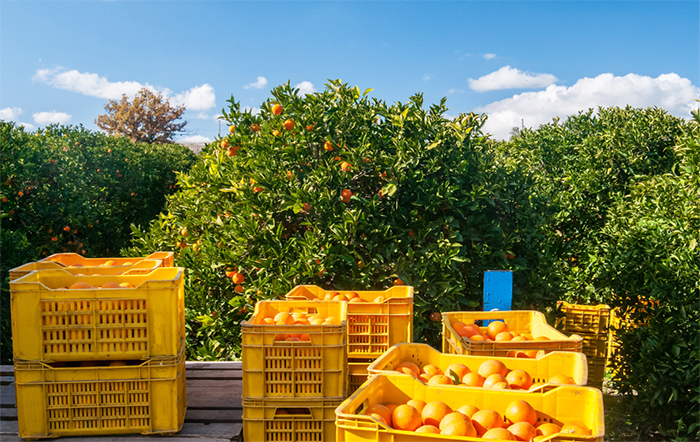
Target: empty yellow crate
(141,267)
(148,398)
(294,420)
(596,371)
(594,345)
(541,369)
(357,374)
(521,321)
(584,318)
(559,405)
(51,323)
(305,369)
(373,327)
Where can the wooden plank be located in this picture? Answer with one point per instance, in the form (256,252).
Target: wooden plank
(214,416)
(213,365)
(236,375)
(7,370)
(8,414)
(6,380)
(219,396)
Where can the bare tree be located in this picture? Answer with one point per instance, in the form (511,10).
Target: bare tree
(148,119)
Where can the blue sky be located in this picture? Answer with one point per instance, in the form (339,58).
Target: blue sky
(61,61)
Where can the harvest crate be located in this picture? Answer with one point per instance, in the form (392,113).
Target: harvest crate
(559,405)
(593,319)
(373,327)
(147,398)
(541,369)
(294,421)
(596,371)
(521,321)
(141,267)
(306,369)
(357,374)
(51,323)
(594,345)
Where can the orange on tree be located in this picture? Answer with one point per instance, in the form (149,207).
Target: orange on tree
(277,109)
(237,278)
(345,166)
(232,129)
(328,146)
(255,127)
(288,124)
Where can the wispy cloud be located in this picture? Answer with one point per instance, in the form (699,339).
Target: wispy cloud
(489,56)
(510,78)
(262,81)
(51,117)
(454,91)
(10,113)
(426,77)
(305,88)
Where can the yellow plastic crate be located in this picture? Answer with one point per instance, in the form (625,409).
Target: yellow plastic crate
(521,321)
(293,421)
(594,345)
(373,327)
(558,405)
(50,323)
(149,398)
(302,369)
(541,369)
(357,374)
(73,259)
(596,371)
(593,319)
(141,267)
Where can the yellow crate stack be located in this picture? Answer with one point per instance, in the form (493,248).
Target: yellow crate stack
(292,387)
(592,323)
(108,358)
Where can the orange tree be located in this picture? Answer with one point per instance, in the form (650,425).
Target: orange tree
(67,189)
(344,191)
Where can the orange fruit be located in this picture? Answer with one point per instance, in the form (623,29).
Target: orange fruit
(288,124)
(542,338)
(458,370)
(277,109)
(424,377)
(406,418)
(469,330)
(411,366)
(473,380)
(431,429)
(496,327)
(434,412)
(292,338)
(328,146)
(285,318)
(492,366)
(340,298)
(452,416)
(459,427)
(561,379)
(519,380)
(575,428)
(468,410)
(332,320)
(345,166)
(440,379)
(458,325)
(232,129)
(299,315)
(417,404)
(381,410)
(548,429)
(498,434)
(477,338)
(80,285)
(485,420)
(255,127)
(317,321)
(503,337)
(380,418)
(518,339)
(110,285)
(391,407)
(330,295)
(431,370)
(523,431)
(127,285)
(397,281)
(378,300)
(357,300)
(352,295)
(406,370)
(237,278)
(520,411)
(238,288)
(346,193)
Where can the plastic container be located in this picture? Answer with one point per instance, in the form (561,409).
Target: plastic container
(357,374)
(558,405)
(141,267)
(593,319)
(302,369)
(596,371)
(373,327)
(148,398)
(521,321)
(51,323)
(541,369)
(594,345)
(295,420)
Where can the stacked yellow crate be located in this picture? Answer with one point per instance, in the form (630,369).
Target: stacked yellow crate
(376,320)
(592,323)
(98,349)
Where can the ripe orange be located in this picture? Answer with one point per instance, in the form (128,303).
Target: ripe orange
(547,429)
(406,418)
(411,366)
(346,193)
(345,166)
(277,109)
(80,285)
(127,285)
(575,428)
(232,129)
(397,281)
(477,338)
(561,379)
(503,337)
(440,379)
(417,404)
(498,434)
(352,295)
(469,330)
(523,431)
(473,380)
(328,146)
(391,407)
(432,370)
(424,377)
(255,127)
(382,411)
(492,366)
(431,429)
(458,370)
(452,416)
(496,327)
(459,427)
(285,318)
(340,298)
(224,144)
(238,289)
(275,133)
(435,316)
(288,124)
(434,412)
(485,420)
(330,295)
(237,278)
(468,410)
(519,379)
(520,411)
(110,285)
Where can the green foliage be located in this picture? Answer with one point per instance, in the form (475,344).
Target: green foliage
(430,205)
(67,189)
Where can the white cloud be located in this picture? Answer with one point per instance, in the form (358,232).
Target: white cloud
(305,88)
(489,56)
(195,139)
(51,117)
(426,77)
(10,113)
(262,81)
(197,98)
(511,78)
(27,126)
(668,91)
(454,91)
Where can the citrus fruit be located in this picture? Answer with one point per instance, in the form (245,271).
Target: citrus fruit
(548,429)
(380,410)
(561,379)
(493,380)
(496,327)
(458,370)
(80,285)
(519,380)
(468,410)
(411,366)
(277,109)
(432,370)
(406,418)
(575,428)
(434,412)
(523,431)
(520,411)
(485,420)
(417,404)
(473,380)
(498,434)
(459,427)
(431,429)
(440,379)
(452,416)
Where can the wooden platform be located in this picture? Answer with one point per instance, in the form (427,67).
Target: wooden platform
(214,411)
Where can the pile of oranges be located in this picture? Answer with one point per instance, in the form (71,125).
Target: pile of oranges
(518,421)
(492,373)
(298,318)
(497,331)
(106,285)
(352,297)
